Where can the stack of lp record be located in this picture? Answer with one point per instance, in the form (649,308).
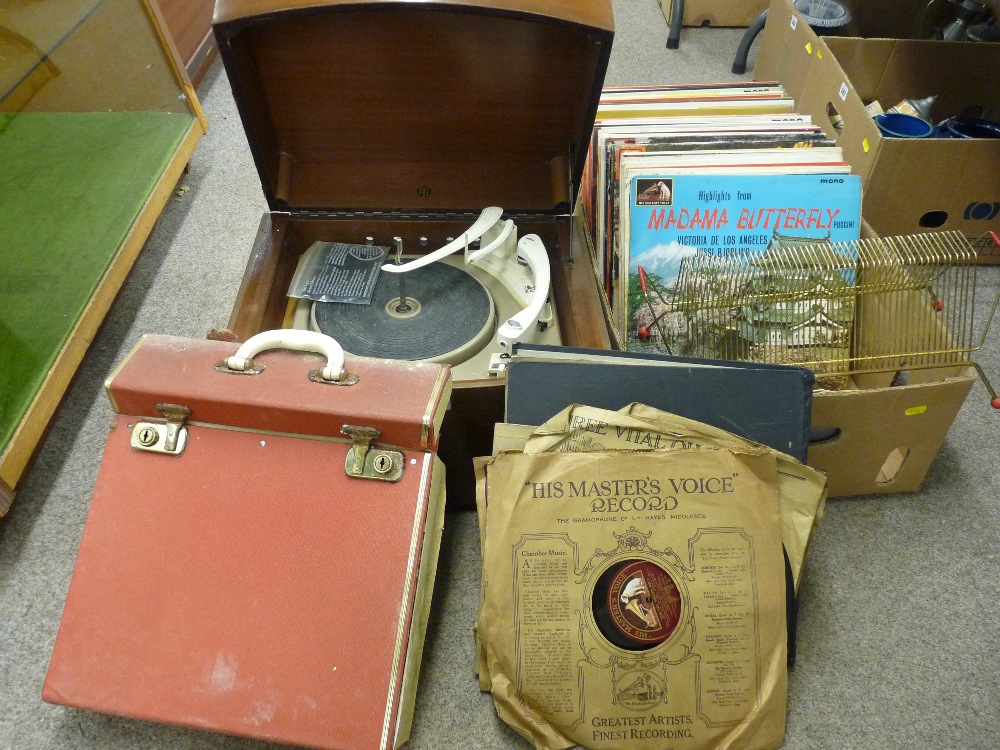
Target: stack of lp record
(633,580)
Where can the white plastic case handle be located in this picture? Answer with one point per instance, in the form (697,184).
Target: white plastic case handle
(287,338)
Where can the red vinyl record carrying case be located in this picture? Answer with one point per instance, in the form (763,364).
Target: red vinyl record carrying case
(243,569)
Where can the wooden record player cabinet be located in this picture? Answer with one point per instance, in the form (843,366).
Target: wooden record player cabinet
(383,119)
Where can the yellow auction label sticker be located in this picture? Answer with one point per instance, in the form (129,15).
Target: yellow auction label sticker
(809,47)
(865,145)
(915,410)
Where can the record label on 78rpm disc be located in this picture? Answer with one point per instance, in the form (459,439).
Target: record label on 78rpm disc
(636,604)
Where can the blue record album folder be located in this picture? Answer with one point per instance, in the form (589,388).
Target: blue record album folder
(769,404)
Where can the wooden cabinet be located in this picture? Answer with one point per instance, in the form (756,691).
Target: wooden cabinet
(407,120)
(190,25)
(97,121)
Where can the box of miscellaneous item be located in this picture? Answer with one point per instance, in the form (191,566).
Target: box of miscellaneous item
(952,20)
(942,171)
(394,134)
(716,12)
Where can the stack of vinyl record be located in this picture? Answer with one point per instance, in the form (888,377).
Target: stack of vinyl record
(633,574)
(716,169)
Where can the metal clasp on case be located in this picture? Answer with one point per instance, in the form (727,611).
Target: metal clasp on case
(168,437)
(365,462)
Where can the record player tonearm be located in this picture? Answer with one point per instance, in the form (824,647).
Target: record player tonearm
(466,310)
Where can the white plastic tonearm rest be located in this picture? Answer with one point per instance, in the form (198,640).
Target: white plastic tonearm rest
(490,216)
(505,232)
(530,248)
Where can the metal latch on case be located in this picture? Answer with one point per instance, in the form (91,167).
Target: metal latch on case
(168,437)
(365,462)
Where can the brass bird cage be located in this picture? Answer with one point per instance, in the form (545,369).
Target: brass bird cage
(877,305)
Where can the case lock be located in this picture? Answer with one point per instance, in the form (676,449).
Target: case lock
(168,437)
(365,462)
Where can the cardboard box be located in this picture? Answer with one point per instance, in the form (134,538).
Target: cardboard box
(717,12)
(910,184)
(876,437)
(881,439)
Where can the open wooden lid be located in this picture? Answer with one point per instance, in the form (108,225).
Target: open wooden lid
(414,105)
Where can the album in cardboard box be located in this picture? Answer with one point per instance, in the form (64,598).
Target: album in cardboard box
(393,126)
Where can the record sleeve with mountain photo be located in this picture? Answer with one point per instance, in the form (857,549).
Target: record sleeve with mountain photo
(673,222)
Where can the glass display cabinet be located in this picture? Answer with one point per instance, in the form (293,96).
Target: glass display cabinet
(97,122)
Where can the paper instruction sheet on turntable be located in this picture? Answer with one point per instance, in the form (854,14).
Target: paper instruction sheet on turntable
(338,272)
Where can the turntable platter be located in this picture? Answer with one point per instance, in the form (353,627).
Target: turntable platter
(449,315)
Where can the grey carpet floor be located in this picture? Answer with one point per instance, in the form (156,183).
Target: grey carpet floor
(900,619)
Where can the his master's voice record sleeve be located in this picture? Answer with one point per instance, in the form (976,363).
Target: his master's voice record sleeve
(633,600)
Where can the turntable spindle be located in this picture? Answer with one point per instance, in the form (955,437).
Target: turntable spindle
(402,306)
